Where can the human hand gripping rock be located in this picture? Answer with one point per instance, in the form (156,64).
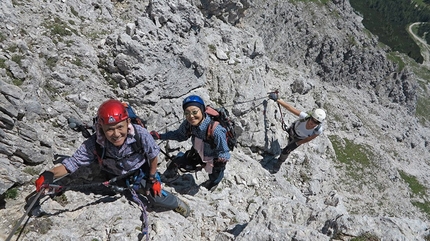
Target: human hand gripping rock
(46,177)
(273,96)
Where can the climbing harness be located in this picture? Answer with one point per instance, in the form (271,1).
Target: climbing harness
(246,101)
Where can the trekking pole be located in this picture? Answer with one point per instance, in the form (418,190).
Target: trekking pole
(36,198)
(53,188)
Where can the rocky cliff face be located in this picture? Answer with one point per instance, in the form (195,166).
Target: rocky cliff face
(62,59)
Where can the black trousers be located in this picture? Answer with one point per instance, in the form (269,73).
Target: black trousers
(191,159)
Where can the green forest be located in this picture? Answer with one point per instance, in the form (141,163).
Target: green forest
(389,19)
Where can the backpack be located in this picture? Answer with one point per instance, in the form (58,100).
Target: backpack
(220,116)
(78,126)
(132,115)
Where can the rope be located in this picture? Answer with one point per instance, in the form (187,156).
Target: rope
(36,198)
(165,153)
(245,101)
(284,127)
(145,229)
(53,188)
(171,124)
(236,103)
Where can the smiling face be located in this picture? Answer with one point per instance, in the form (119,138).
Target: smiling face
(311,123)
(194,115)
(116,133)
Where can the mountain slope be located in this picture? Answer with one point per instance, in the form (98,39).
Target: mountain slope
(63,59)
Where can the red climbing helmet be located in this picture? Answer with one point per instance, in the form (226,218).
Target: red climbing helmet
(111,112)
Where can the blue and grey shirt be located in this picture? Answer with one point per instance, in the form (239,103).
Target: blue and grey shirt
(118,160)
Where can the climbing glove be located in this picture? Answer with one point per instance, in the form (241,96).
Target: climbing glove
(46,177)
(153,184)
(273,96)
(155,135)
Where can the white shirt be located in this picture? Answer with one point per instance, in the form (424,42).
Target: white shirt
(300,127)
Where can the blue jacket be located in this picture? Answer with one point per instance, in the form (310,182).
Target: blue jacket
(221,150)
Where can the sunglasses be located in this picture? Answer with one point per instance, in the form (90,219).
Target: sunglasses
(315,121)
(192,113)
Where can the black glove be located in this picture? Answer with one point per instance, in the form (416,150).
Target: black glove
(155,135)
(77,125)
(46,177)
(273,96)
(290,147)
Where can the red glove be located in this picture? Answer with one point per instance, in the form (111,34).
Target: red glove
(46,177)
(156,187)
(155,135)
(153,184)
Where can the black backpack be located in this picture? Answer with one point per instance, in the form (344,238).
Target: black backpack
(220,116)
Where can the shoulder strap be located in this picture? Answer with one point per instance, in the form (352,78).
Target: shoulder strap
(296,122)
(210,132)
(318,128)
(99,152)
(188,129)
(137,146)
(211,129)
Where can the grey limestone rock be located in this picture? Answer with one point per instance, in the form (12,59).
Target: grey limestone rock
(62,59)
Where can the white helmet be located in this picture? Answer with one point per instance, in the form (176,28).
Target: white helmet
(319,115)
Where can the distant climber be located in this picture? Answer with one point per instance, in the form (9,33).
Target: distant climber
(212,155)
(114,145)
(301,131)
